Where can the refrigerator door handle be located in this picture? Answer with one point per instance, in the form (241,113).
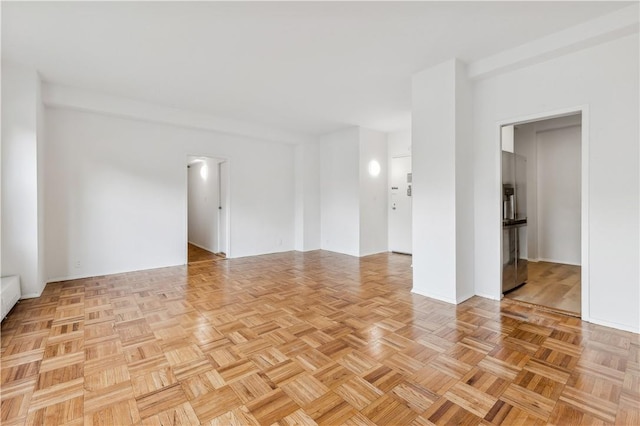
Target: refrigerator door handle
(513,206)
(517,242)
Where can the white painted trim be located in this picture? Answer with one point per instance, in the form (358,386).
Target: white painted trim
(563,262)
(488,296)
(615,325)
(373,252)
(31,296)
(497,293)
(605,28)
(584,232)
(54,95)
(562,112)
(306,250)
(228,255)
(553,261)
(460,299)
(585,273)
(269,253)
(185,249)
(435,296)
(100,275)
(219,223)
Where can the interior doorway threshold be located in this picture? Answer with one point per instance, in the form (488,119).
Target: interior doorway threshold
(544,308)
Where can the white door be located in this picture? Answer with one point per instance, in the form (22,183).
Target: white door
(400,206)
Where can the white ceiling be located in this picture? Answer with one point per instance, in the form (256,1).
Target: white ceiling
(310,67)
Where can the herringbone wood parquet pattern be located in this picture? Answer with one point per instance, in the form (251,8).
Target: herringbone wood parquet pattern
(313,338)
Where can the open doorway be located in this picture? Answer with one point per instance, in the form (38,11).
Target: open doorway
(207,209)
(542,212)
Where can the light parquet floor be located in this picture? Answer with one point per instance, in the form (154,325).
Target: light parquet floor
(196,254)
(554,285)
(313,338)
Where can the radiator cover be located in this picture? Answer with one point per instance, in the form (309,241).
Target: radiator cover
(9,293)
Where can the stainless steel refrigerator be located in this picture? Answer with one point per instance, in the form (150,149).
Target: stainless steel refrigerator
(514,221)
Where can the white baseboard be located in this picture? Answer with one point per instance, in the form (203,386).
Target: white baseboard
(436,297)
(373,252)
(30,296)
(618,326)
(202,247)
(488,296)
(564,262)
(461,299)
(340,252)
(103,274)
(309,249)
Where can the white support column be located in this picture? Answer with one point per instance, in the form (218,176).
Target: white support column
(22,219)
(442,163)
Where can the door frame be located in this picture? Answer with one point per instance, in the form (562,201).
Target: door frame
(227,228)
(584,194)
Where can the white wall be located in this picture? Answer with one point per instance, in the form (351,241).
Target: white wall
(203,202)
(526,144)
(340,191)
(116,193)
(353,204)
(398,144)
(311,174)
(21,220)
(373,193)
(559,200)
(604,79)
(57,96)
(298,204)
(307,189)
